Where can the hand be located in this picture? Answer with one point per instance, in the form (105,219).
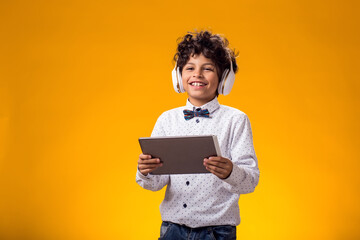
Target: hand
(221,167)
(146,164)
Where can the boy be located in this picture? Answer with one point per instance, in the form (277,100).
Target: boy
(204,206)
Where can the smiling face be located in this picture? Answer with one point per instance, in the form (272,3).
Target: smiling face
(200,79)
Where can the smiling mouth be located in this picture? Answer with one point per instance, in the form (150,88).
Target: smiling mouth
(197,84)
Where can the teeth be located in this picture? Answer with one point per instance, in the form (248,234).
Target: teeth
(197,84)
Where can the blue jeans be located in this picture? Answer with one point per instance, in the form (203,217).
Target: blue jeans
(173,231)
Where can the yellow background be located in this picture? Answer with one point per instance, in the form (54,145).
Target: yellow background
(81,81)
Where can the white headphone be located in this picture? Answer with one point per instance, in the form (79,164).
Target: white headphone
(225,85)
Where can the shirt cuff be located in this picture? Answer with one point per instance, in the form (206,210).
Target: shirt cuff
(236,176)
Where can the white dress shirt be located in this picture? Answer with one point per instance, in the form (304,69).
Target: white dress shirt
(198,200)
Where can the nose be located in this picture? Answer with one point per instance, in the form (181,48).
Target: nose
(197,74)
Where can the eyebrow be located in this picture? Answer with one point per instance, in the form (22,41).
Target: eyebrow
(202,65)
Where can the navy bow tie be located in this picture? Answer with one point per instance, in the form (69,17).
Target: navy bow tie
(188,114)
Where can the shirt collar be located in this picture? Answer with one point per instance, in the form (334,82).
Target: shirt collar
(210,106)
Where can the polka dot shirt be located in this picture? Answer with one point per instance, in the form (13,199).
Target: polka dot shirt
(198,200)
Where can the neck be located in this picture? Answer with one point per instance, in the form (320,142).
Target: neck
(199,102)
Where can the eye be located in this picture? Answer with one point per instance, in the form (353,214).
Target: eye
(209,69)
(189,68)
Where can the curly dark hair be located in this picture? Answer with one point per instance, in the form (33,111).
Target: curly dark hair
(212,46)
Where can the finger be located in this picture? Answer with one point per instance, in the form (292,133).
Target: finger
(148,161)
(218,167)
(145,156)
(218,159)
(216,164)
(149,170)
(215,169)
(147,166)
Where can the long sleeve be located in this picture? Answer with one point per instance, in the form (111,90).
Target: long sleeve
(153,182)
(245,174)
(198,200)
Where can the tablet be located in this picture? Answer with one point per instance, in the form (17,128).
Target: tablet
(181,154)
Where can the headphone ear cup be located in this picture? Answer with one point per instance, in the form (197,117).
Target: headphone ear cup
(221,83)
(180,81)
(177,80)
(227,81)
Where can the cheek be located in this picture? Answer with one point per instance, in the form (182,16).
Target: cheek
(215,81)
(183,81)
(184,78)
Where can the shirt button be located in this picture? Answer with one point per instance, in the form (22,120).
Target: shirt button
(197,120)
(184,205)
(187,183)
